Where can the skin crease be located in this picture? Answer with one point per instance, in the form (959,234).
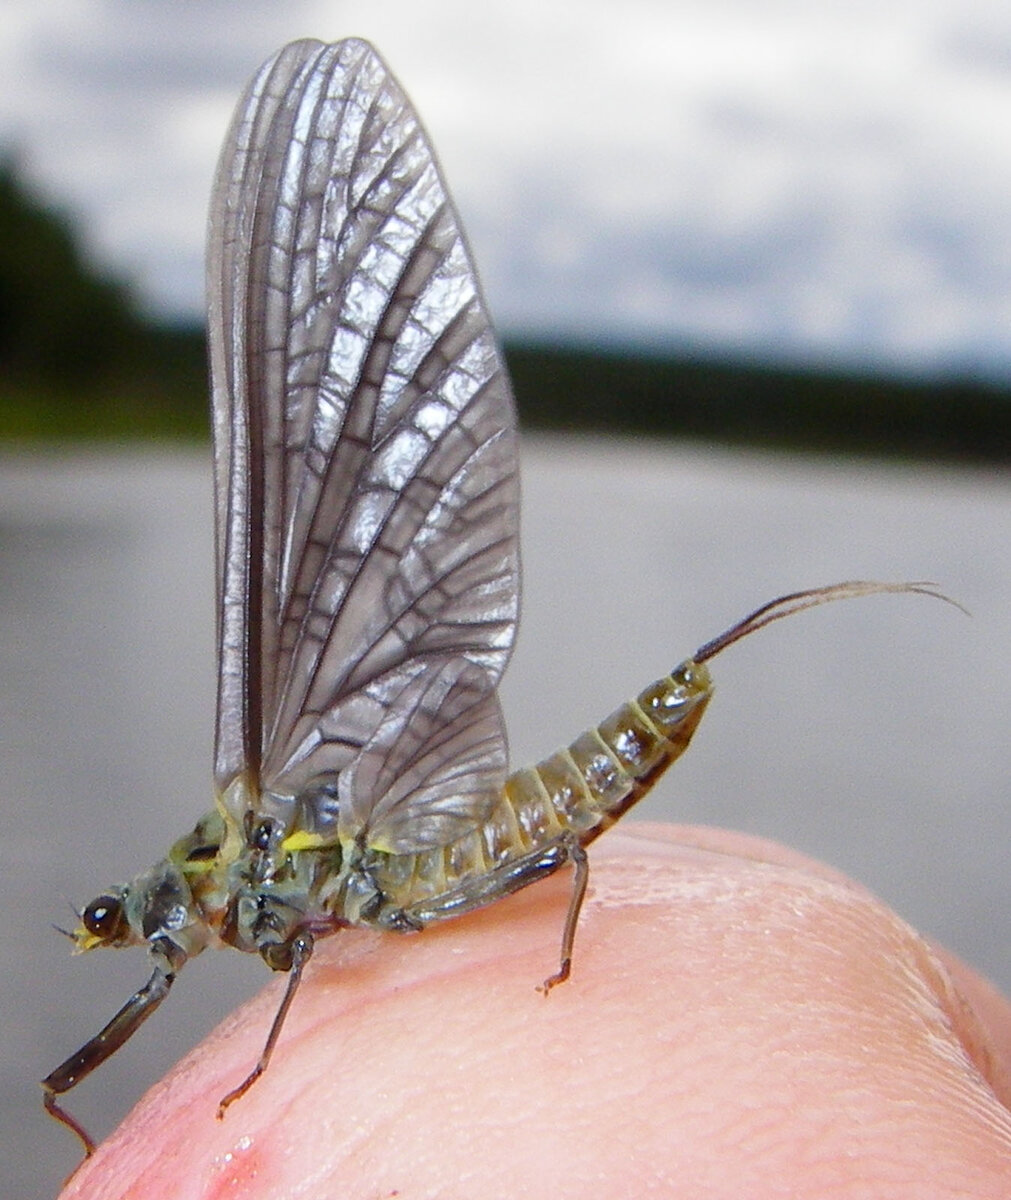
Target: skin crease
(741,1021)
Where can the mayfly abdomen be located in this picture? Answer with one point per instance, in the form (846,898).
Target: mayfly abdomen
(566,799)
(608,769)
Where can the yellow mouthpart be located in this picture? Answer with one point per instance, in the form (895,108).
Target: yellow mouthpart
(84,940)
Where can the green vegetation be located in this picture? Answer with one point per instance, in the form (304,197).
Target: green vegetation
(79,361)
(77,358)
(758,405)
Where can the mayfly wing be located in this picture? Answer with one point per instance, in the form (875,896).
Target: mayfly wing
(428,769)
(365,461)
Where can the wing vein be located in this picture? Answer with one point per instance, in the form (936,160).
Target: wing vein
(365,457)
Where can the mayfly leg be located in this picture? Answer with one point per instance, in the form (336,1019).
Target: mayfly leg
(301,952)
(511,877)
(104,1044)
(580,880)
(60,1114)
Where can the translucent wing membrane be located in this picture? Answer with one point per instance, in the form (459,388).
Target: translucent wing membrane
(365,457)
(426,771)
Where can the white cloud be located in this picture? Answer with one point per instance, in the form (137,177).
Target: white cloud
(785,177)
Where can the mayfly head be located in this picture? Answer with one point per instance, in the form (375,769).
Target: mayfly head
(156,905)
(103,922)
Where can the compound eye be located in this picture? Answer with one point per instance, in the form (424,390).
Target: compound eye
(105,918)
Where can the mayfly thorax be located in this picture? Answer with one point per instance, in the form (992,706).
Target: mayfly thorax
(365,457)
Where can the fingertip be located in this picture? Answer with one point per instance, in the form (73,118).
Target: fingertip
(715,978)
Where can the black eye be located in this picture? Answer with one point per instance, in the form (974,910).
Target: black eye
(104,917)
(263,834)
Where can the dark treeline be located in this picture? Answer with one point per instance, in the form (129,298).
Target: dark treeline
(78,359)
(77,356)
(761,405)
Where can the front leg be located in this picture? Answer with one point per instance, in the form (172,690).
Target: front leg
(167,958)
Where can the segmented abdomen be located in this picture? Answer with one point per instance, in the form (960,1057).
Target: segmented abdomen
(582,789)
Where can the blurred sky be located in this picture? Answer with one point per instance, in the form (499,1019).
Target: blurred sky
(824,180)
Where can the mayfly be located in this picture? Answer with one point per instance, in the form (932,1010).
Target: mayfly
(365,456)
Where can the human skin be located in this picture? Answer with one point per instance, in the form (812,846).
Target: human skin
(740,1022)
